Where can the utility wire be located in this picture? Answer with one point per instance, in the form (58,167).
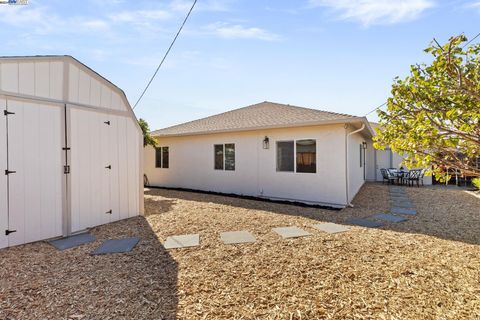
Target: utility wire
(466,44)
(376,108)
(166,54)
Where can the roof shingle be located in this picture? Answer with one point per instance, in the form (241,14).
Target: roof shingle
(258,116)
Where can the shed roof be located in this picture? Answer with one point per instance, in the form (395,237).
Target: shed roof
(262,115)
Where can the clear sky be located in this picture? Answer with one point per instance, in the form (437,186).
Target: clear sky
(338,55)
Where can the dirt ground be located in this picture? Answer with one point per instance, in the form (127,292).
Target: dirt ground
(425,268)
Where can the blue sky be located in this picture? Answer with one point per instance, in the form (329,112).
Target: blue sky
(339,55)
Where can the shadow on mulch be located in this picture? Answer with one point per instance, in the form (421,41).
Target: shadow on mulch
(448,214)
(141,284)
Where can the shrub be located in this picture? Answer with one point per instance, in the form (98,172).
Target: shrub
(476,183)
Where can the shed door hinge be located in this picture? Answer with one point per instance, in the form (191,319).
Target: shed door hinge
(7,172)
(107,122)
(109,211)
(108,167)
(7,232)
(66,169)
(6,112)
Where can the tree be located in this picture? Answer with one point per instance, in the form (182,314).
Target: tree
(148,140)
(433,115)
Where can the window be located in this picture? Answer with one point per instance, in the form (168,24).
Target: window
(161,157)
(164,157)
(218,156)
(307,156)
(305,159)
(285,160)
(224,156)
(230,157)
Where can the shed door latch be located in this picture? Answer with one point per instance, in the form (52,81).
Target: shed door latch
(107,122)
(7,232)
(7,172)
(109,167)
(66,169)
(6,112)
(109,211)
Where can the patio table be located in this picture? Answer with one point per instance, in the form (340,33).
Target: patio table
(400,175)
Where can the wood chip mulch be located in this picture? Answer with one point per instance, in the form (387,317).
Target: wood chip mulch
(425,268)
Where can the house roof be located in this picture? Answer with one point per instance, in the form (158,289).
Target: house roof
(259,116)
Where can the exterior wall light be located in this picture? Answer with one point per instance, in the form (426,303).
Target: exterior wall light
(266,143)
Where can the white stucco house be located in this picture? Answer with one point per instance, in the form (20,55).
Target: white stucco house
(267,150)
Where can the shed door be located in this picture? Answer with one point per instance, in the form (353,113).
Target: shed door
(3,177)
(35,186)
(90,169)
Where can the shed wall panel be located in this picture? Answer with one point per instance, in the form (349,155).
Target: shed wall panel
(84,88)
(73,76)
(106,97)
(9,76)
(56,80)
(26,78)
(42,77)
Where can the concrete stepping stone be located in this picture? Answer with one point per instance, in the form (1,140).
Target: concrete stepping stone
(364,223)
(403,204)
(237,237)
(397,198)
(398,210)
(330,227)
(182,241)
(116,246)
(72,241)
(291,232)
(389,217)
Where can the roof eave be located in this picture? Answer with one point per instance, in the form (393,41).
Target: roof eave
(304,124)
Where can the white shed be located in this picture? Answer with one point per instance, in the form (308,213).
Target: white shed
(70,147)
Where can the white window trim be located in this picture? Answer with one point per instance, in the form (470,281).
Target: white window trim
(224,158)
(161,157)
(295,156)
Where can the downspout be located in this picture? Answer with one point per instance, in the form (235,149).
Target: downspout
(349,204)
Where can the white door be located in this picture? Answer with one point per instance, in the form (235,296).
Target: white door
(89,169)
(35,186)
(3,177)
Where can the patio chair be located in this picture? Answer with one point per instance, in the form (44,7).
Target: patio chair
(422,174)
(387,176)
(414,176)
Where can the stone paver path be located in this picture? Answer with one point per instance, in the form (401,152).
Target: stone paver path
(389,217)
(116,246)
(291,232)
(364,223)
(330,227)
(182,241)
(237,237)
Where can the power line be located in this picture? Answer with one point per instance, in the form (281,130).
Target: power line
(166,54)
(376,108)
(466,44)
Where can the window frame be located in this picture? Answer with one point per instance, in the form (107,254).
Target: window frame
(224,158)
(361,155)
(294,171)
(160,150)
